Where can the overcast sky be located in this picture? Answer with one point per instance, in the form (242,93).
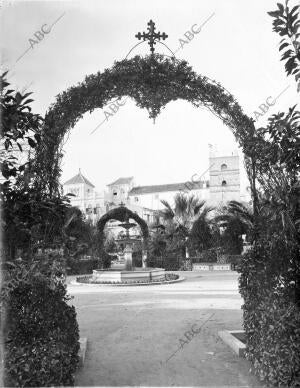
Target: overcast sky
(235,47)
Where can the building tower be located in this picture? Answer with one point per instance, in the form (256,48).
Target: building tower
(82,189)
(224,178)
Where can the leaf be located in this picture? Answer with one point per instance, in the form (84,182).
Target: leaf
(28,101)
(18,98)
(294,9)
(287,54)
(37,137)
(27,94)
(283,46)
(7,144)
(274,14)
(31,142)
(281,8)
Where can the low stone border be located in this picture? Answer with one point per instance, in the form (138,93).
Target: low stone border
(82,350)
(75,283)
(235,344)
(211,267)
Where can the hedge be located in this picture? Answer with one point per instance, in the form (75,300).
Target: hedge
(75,266)
(81,267)
(273,331)
(271,315)
(168,263)
(41,334)
(207,256)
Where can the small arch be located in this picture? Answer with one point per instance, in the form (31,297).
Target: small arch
(224,183)
(121,214)
(223,166)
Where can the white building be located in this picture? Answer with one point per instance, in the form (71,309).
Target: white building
(223,185)
(95,204)
(89,201)
(151,196)
(224,178)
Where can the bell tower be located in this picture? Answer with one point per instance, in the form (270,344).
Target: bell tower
(224,177)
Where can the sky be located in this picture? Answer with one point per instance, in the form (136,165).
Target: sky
(235,46)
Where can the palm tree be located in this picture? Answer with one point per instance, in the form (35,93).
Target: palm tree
(185,211)
(236,211)
(237,219)
(188,214)
(203,233)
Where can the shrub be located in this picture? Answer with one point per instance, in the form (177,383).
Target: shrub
(137,259)
(171,276)
(271,314)
(41,332)
(273,330)
(81,267)
(76,266)
(105,260)
(208,256)
(234,260)
(168,263)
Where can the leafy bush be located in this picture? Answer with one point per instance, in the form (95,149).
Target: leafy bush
(207,256)
(171,276)
(168,263)
(273,329)
(105,260)
(234,260)
(75,266)
(81,267)
(41,332)
(271,315)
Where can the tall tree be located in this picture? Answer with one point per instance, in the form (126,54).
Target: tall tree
(287,24)
(187,217)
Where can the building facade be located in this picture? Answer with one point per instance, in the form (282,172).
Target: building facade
(224,178)
(222,186)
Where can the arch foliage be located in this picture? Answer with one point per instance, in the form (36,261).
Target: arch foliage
(121,214)
(152,82)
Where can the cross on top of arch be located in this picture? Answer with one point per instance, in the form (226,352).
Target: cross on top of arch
(151,35)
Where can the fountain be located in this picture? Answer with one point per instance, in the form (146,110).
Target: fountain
(128,241)
(125,272)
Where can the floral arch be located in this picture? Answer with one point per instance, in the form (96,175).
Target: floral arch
(152,82)
(121,214)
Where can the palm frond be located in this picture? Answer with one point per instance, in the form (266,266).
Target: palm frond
(198,206)
(167,213)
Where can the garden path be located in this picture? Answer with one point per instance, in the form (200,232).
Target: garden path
(136,335)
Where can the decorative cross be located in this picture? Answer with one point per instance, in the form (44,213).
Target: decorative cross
(151,35)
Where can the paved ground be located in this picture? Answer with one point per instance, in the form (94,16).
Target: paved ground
(136,335)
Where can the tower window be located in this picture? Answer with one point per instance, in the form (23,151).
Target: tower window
(115,193)
(224,183)
(223,167)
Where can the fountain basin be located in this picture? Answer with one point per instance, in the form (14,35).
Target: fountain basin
(119,275)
